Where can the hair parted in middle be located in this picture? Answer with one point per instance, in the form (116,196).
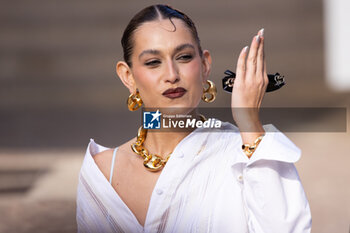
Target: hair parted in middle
(151,13)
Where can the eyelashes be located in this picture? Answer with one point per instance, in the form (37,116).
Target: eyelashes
(152,63)
(183,58)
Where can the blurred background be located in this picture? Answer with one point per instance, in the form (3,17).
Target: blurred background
(58,89)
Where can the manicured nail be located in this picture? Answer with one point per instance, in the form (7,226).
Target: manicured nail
(245,49)
(261,32)
(257,38)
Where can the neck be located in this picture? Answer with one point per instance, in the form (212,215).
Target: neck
(164,143)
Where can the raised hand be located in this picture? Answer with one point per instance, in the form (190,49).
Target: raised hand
(249,87)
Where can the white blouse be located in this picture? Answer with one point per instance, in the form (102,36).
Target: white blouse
(207,185)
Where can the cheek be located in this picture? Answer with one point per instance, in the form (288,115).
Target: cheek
(144,78)
(194,76)
(145,82)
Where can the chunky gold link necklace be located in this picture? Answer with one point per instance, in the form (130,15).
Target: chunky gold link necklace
(152,162)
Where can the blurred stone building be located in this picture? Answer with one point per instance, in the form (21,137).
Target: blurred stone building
(58,89)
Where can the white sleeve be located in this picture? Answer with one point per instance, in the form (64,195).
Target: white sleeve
(272,192)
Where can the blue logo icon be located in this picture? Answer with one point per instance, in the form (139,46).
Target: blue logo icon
(151,120)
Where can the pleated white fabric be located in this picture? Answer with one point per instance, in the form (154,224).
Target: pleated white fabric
(208,185)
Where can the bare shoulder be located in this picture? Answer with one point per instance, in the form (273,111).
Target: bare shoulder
(104,159)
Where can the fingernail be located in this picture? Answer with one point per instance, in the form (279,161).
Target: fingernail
(257,38)
(245,49)
(261,32)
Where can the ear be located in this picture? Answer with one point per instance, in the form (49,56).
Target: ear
(124,72)
(206,64)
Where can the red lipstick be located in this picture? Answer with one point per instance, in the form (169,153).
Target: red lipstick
(174,93)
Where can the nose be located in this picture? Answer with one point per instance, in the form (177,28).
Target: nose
(172,73)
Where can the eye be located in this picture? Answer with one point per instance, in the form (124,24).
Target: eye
(186,57)
(152,63)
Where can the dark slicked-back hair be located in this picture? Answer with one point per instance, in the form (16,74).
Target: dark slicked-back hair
(151,13)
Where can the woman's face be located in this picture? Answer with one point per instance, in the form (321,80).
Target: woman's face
(167,68)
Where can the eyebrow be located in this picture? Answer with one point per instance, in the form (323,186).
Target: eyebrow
(157,52)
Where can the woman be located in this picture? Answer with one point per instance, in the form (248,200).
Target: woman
(208,183)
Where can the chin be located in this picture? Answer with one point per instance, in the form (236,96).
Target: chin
(183,109)
(176,106)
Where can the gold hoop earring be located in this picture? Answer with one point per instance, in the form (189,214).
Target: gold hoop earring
(134,101)
(211,91)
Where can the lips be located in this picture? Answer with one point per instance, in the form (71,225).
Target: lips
(173,93)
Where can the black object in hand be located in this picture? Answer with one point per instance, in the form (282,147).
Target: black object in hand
(276,81)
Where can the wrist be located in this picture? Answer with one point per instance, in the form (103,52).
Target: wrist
(250,125)
(250,131)
(247,119)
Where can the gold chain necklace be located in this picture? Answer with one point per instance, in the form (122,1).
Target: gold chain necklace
(152,162)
